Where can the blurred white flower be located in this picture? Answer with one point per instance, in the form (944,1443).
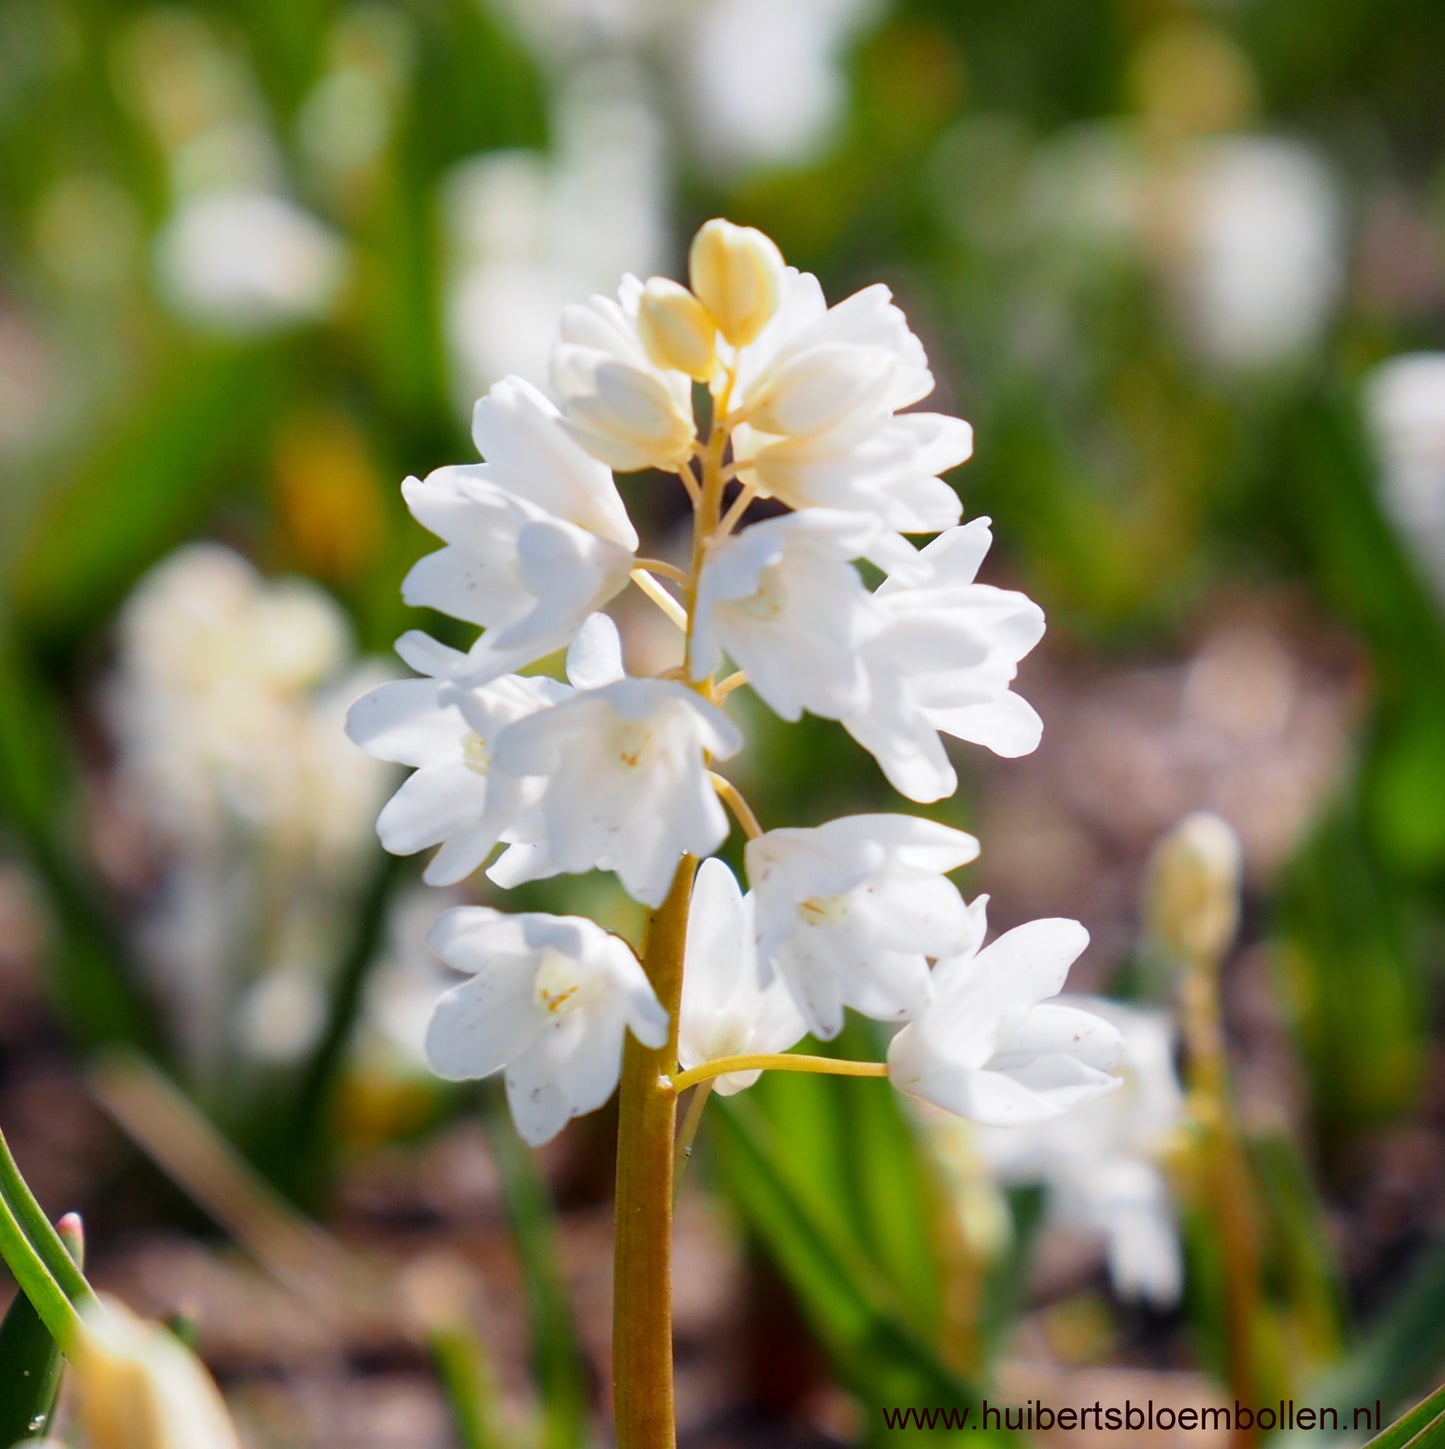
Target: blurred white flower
(248,261)
(941,661)
(849,913)
(140,1385)
(726,1009)
(549,1000)
(1100,1162)
(1404,402)
(1259,252)
(989,1047)
(536,537)
(783,600)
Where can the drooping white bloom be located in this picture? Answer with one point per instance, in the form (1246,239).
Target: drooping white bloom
(1100,1162)
(817,405)
(139,1384)
(446,736)
(989,1047)
(616,402)
(549,1000)
(941,662)
(849,913)
(621,780)
(536,537)
(726,1008)
(783,600)
(248,261)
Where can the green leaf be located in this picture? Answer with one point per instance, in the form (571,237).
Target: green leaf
(1421,1428)
(850,1297)
(31,1363)
(559,1366)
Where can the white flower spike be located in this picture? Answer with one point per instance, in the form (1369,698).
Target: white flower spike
(549,1000)
(726,1008)
(989,1047)
(849,913)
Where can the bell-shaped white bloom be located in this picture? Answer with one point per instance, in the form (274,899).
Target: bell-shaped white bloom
(989,1046)
(941,663)
(816,409)
(617,403)
(783,600)
(726,1008)
(139,1384)
(621,780)
(1101,1161)
(446,736)
(536,537)
(849,913)
(548,1002)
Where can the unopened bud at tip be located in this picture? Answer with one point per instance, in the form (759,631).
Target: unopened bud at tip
(737,273)
(676,329)
(1191,900)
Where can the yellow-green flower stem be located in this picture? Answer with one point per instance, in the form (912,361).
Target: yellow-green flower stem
(642,1257)
(777,1062)
(1229,1189)
(732,797)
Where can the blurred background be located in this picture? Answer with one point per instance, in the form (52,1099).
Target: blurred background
(1182,266)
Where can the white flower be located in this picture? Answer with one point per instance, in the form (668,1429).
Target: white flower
(621,781)
(617,403)
(726,1008)
(536,537)
(816,404)
(782,599)
(248,261)
(1404,402)
(988,1047)
(549,1000)
(139,1384)
(848,913)
(446,736)
(942,661)
(1100,1161)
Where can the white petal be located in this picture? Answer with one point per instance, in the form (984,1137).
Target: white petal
(481,1025)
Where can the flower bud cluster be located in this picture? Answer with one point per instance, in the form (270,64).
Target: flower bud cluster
(609,771)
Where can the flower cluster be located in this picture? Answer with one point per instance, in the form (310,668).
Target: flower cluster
(744,385)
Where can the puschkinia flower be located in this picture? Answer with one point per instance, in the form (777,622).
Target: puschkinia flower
(446,735)
(536,537)
(623,784)
(941,662)
(989,1046)
(726,1008)
(1100,1162)
(849,913)
(618,404)
(817,405)
(549,1000)
(783,600)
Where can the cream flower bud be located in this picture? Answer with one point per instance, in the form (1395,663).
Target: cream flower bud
(141,1388)
(737,273)
(677,331)
(1191,896)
